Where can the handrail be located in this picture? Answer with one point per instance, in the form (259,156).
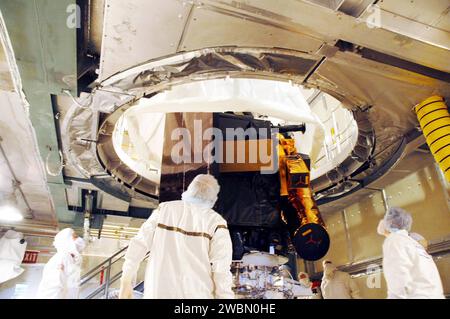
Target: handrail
(103,286)
(103,263)
(109,280)
(99,267)
(435,250)
(107,268)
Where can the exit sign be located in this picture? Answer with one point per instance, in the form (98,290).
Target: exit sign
(30,257)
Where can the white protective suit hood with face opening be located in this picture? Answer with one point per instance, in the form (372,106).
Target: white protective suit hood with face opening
(12,251)
(190,248)
(61,276)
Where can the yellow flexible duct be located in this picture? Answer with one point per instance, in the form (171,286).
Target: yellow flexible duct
(434,120)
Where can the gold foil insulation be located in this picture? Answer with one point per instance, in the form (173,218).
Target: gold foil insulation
(295,182)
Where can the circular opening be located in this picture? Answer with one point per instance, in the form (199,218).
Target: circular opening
(331,130)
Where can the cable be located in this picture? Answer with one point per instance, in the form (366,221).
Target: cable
(91,97)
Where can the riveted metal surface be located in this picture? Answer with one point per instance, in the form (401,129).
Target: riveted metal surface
(154,29)
(140,30)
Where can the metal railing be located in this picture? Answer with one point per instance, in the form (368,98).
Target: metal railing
(108,279)
(436,250)
(103,267)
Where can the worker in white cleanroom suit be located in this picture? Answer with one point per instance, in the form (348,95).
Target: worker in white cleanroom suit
(337,284)
(190,248)
(409,270)
(61,276)
(12,251)
(303,278)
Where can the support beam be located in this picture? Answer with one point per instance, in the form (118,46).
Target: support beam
(347,237)
(44,41)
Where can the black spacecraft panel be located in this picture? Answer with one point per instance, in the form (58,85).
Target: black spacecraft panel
(232,121)
(249,199)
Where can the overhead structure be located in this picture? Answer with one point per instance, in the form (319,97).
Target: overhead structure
(360,65)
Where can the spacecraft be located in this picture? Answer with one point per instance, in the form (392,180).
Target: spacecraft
(267,200)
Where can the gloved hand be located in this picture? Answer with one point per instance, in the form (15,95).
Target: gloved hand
(126,290)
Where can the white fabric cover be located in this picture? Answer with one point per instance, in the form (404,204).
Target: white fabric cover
(145,121)
(12,252)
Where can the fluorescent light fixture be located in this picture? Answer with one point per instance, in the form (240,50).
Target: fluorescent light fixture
(10,214)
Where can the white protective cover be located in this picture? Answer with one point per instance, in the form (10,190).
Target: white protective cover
(263,259)
(11,255)
(280,100)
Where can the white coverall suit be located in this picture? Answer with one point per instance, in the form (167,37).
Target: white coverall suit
(190,253)
(339,286)
(409,270)
(61,276)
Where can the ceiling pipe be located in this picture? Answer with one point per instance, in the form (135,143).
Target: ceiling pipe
(30,230)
